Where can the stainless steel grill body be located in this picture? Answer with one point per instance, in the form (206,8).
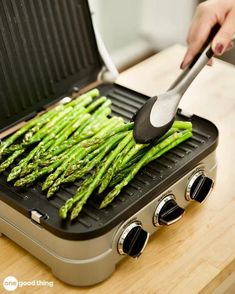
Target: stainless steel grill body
(76,262)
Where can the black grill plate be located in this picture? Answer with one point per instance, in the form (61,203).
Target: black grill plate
(149,182)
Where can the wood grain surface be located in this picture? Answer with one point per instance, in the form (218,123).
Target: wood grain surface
(194,255)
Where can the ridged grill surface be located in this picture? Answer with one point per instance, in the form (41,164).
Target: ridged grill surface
(46,47)
(148,183)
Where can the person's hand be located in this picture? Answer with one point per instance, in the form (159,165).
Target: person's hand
(207,15)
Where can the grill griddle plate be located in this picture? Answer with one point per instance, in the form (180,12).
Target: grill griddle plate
(151,181)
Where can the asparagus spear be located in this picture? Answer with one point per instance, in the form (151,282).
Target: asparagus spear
(93,125)
(57,149)
(4,165)
(62,115)
(124,157)
(104,106)
(96,104)
(89,166)
(169,142)
(36,124)
(127,160)
(29,179)
(102,136)
(63,130)
(43,171)
(70,129)
(23,163)
(77,125)
(31,166)
(78,154)
(56,118)
(56,185)
(92,94)
(112,169)
(12,149)
(76,138)
(182,125)
(63,211)
(89,157)
(80,163)
(136,149)
(122,174)
(45,118)
(40,120)
(92,128)
(45,162)
(103,111)
(118,130)
(96,178)
(34,166)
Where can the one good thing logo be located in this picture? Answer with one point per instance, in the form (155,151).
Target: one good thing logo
(10,283)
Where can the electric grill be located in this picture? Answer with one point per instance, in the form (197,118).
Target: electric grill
(48,49)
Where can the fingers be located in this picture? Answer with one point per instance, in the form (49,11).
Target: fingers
(198,33)
(207,15)
(189,56)
(222,41)
(195,44)
(230,47)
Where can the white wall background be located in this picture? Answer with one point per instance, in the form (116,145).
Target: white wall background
(166,22)
(130,28)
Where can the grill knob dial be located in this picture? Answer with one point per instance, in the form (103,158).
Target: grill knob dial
(133,240)
(167,212)
(199,187)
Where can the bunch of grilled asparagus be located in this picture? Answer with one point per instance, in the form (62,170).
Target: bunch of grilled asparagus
(81,139)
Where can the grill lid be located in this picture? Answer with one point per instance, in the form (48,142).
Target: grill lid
(46,48)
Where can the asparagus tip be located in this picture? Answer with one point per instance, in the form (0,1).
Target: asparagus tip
(63,212)
(47,184)
(52,190)
(73,215)
(11,177)
(19,183)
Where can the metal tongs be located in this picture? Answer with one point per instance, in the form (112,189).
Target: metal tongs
(157,115)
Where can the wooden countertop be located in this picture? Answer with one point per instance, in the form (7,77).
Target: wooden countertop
(195,254)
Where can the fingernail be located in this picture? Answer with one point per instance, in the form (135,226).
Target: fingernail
(219,48)
(183,64)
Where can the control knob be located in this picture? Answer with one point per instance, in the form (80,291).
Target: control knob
(133,240)
(199,187)
(167,212)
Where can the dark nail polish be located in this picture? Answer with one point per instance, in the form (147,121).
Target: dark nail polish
(182,65)
(219,48)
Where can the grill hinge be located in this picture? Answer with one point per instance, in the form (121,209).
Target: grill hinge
(109,72)
(36,216)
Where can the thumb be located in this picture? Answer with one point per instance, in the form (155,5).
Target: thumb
(223,38)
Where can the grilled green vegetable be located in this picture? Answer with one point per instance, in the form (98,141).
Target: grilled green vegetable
(80,139)
(96,178)
(152,154)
